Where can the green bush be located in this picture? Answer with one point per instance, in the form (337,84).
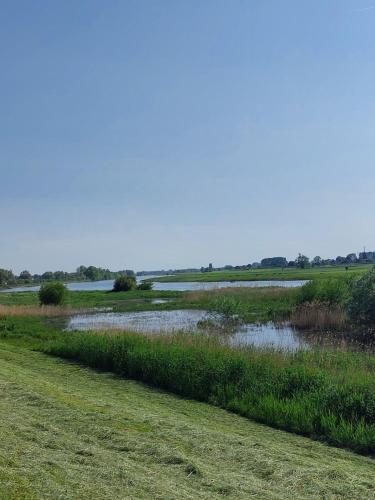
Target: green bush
(329,291)
(124,284)
(226,306)
(361,306)
(145,285)
(52,294)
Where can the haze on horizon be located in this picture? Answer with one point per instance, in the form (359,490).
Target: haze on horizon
(163,134)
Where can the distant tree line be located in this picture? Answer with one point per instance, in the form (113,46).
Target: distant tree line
(301,262)
(93,273)
(82,273)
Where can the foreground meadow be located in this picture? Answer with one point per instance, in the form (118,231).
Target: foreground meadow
(70,432)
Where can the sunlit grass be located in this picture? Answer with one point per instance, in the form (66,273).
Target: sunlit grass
(70,432)
(326,395)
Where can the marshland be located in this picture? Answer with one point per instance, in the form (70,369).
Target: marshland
(297,359)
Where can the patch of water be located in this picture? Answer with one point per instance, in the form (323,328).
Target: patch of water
(283,337)
(144,321)
(107,285)
(262,335)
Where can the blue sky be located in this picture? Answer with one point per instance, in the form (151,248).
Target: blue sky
(159,133)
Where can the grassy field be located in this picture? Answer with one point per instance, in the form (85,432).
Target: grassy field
(70,432)
(86,299)
(270,274)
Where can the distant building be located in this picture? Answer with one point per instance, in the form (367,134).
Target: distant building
(367,256)
(274,262)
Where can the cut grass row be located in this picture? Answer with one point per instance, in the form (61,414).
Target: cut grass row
(325,395)
(69,432)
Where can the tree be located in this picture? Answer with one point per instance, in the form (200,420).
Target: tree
(274,262)
(6,277)
(124,284)
(351,258)
(317,261)
(52,293)
(302,261)
(92,273)
(81,269)
(25,275)
(48,275)
(59,275)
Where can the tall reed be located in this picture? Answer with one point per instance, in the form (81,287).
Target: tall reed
(319,316)
(34,310)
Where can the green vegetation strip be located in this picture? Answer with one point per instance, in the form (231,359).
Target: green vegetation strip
(252,304)
(69,432)
(325,395)
(281,274)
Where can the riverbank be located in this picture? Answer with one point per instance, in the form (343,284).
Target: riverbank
(70,432)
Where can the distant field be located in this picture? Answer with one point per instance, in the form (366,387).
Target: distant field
(269,274)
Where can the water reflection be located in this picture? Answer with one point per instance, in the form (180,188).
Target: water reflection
(262,335)
(279,336)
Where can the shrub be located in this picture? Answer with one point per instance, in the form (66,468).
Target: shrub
(52,294)
(145,285)
(226,306)
(361,306)
(329,291)
(124,284)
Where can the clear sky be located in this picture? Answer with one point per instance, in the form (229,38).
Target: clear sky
(153,134)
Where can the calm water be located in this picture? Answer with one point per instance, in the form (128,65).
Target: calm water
(283,337)
(268,334)
(179,287)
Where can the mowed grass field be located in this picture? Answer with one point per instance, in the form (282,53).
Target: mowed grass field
(70,432)
(270,274)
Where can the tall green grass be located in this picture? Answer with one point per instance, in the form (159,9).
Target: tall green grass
(324,395)
(330,291)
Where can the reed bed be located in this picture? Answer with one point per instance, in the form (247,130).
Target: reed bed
(327,395)
(33,310)
(319,316)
